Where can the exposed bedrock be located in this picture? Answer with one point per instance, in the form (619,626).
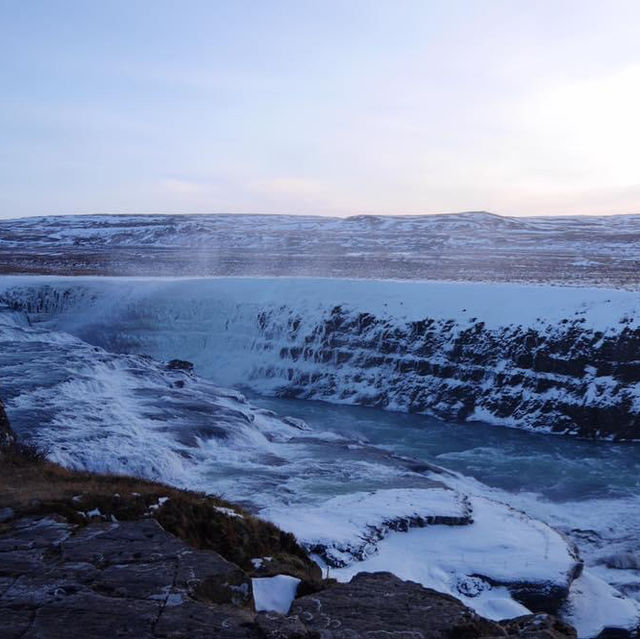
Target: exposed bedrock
(560,378)
(7,436)
(376,602)
(133,579)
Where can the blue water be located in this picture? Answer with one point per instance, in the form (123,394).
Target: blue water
(559,468)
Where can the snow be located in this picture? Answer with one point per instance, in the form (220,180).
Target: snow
(350,525)
(502,545)
(229,512)
(274,593)
(457,246)
(594,605)
(184,299)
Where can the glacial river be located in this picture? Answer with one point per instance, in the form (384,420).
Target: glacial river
(558,468)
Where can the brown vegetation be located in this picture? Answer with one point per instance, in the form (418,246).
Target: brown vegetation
(31,485)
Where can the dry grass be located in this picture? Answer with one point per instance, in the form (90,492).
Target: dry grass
(31,485)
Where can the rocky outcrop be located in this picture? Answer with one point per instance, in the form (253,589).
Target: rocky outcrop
(180,365)
(7,436)
(133,579)
(557,378)
(380,604)
(126,579)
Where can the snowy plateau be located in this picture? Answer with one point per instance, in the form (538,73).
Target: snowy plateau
(95,369)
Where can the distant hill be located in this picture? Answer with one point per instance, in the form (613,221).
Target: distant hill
(472,246)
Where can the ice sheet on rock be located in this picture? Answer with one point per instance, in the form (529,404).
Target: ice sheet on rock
(349,527)
(274,593)
(594,605)
(502,545)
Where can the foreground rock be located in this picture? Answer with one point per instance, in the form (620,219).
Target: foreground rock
(7,436)
(119,579)
(376,604)
(133,579)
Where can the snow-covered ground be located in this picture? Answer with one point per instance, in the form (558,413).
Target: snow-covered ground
(466,246)
(347,528)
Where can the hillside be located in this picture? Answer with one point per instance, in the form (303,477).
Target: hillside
(600,251)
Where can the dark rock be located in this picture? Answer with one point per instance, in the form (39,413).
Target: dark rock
(179,365)
(107,544)
(120,579)
(616,633)
(7,436)
(377,604)
(14,563)
(14,623)
(275,626)
(538,627)
(137,580)
(6,514)
(92,616)
(540,598)
(35,532)
(192,620)
(212,579)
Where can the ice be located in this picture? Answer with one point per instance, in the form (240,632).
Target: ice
(594,605)
(274,593)
(500,546)
(349,526)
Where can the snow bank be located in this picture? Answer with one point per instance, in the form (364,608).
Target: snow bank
(593,605)
(501,553)
(348,527)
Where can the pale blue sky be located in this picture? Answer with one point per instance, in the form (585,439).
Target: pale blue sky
(331,107)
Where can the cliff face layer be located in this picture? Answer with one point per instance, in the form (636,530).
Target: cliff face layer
(562,379)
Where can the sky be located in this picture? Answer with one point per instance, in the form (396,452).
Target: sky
(332,107)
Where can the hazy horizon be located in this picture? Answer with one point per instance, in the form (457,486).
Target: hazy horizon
(341,108)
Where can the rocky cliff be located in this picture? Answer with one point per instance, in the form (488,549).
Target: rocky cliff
(563,378)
